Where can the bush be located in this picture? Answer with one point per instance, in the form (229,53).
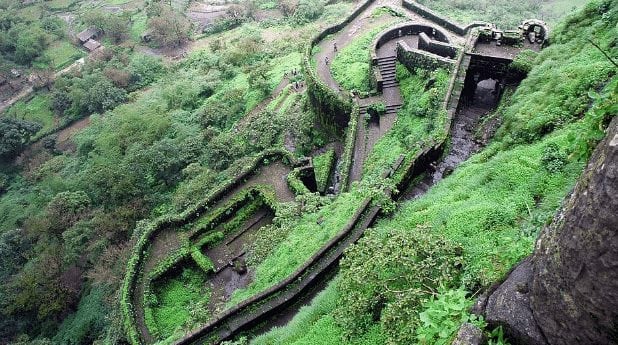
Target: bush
(442,316)
(386,278)
(553,159)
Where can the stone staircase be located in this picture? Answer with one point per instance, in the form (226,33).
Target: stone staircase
(387,69)
(393,109)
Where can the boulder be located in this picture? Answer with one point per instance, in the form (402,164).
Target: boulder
(469,334)
(509,306)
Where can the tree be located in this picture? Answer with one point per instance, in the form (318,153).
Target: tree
(95,93)
(307,10)
(170,28)
(65,209)
(114,26)
(14,134)
(29,43)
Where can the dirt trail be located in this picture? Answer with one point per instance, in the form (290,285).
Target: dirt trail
(29,90)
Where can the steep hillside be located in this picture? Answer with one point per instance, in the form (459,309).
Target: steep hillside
(412,278)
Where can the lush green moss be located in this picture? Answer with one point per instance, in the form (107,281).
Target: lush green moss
(323,165)
(177,297)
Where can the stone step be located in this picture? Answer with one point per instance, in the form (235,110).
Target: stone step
(387,58)
(388,72)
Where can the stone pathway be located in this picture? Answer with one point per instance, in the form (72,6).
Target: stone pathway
(369,133)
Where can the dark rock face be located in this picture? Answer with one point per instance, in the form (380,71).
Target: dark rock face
(567,292)
(469,334)
(574,291)
(509,307)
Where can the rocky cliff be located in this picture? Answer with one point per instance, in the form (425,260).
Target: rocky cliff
(567,291)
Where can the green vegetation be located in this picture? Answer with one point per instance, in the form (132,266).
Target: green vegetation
(180,301)
(488,212)
(420,119)
(350,67)
(324,165)
(37,110)
(77,217)
(63,54)
(285,246)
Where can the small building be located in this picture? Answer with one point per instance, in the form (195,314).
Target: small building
(92,45)
(88,34)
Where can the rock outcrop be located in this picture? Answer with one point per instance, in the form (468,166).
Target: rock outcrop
(567,291)
(574,292)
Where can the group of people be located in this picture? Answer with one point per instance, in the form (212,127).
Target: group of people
(297,84)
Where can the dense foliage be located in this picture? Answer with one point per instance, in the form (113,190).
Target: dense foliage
(492,206)
(164,134)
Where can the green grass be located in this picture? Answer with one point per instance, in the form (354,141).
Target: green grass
(315,325)
(36,110)
(350,67)
(176,297)
(139,26)
(418,120)
(487,201)
(323,165)
(63,53)
(281,65)
(305,237)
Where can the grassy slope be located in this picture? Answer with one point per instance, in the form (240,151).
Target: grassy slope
(505,13)
(350,68)
(497,201)
(413,125)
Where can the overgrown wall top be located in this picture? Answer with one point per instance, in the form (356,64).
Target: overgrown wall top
(412,58)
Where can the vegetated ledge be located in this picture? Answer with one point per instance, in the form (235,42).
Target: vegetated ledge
(145,232)
(253,310)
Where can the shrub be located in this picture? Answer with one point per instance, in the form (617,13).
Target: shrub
(553,159)
(442,316)
(388,275)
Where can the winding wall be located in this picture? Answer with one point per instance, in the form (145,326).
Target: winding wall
(146,233)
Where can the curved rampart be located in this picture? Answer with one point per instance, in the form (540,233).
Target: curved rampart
(146,233)
(333,110)
(257,308)
(439,46)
